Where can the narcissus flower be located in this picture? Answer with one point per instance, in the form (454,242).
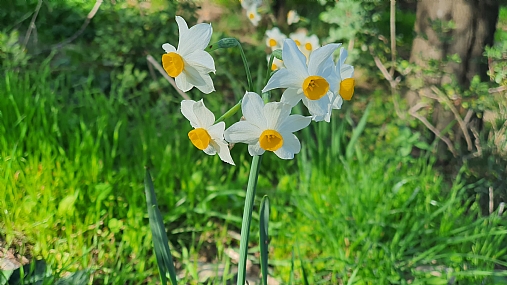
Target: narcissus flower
(346,74)
(274,38)
(267,127)
(299,37)
(206,135)
(310,44)
(292,17)
(189,64)
(310,83)
(253,15)
(251,10)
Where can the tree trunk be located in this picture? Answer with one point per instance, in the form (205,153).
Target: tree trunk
(445,28)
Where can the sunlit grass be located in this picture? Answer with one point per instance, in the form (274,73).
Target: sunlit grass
(72,168)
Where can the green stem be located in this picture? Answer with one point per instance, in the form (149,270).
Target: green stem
(247,70)
(268,71)
(247,218)
(230,112)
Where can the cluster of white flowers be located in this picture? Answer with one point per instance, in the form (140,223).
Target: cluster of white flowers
(306,44)
(317,80)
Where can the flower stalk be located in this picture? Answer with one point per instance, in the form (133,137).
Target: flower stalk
(247,217)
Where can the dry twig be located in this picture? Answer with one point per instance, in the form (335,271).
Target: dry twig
(32,26)
(443,98)
(497,89)
(83,27)
(413,112)
(393,37)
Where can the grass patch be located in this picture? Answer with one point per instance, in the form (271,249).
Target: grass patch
(72,162)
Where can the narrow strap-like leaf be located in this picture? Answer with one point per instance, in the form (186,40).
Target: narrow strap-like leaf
(160,242)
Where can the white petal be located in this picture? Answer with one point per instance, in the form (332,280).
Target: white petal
(201,60)
(223,151)
(317,108)
(203,114)
(255,149)
(187,109)
(294,123)
(182,29)
(275,113)
(337,102)
(343,56)
(284,78)
(291,146)
(197,38)
(347,71)
(293,58)
(168,48)
(319,58)
(291,96)
(182,82)
(210,150)
(207,87)
(252,107)
(200,80)
(216,131)
(243,132)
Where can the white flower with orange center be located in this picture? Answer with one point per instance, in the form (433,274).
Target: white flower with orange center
(299,37)
(267,127)
(309,44)
(189,64)
(274,38)
(206,135)
(253,15)
(310,83)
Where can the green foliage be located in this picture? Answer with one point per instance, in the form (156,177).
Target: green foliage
(12,54)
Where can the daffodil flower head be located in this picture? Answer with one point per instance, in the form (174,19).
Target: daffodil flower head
(267,127)
(206,135)
(292,17)
(346,74)
(189,64)
(274,38)
(299,37)
(310,44)
(310,83)
(253,14)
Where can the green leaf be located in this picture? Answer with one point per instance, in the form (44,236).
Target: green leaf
(357,132)
(160,242)
(67,204)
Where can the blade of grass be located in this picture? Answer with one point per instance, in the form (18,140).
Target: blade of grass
(160,242)
(357,132)
(264,238)
(305,279)
(291,277)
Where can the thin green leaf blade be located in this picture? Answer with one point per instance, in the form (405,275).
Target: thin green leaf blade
(160,242)
(357,132)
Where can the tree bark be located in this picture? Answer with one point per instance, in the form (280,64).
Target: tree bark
(444,28)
